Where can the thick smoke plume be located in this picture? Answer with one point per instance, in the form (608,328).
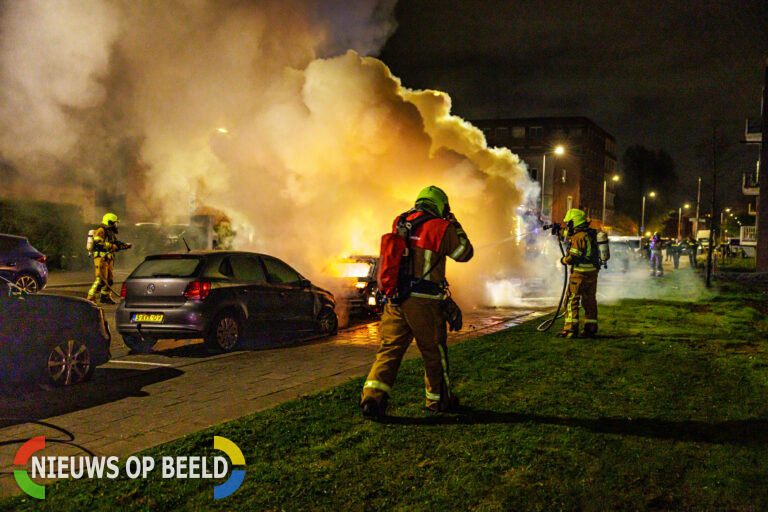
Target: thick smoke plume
(269,111)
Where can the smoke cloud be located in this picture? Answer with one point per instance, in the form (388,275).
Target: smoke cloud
(274,112)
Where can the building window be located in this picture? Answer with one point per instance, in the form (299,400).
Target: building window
(518,132)
(502,132)
(533,173)
(570,202)
(536,131)
(563,176)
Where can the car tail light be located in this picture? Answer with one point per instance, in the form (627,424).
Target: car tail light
(123,292)
(41,259)
(197,290)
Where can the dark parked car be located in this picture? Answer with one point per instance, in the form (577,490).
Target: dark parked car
(53,339)
(22,264)
(224,297)
(355,277)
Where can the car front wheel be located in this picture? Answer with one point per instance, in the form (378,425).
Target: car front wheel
(225,333)
(327,321)
(68,363)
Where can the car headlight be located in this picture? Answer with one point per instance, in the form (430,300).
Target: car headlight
(361,284)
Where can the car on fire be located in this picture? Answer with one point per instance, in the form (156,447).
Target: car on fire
(224,297)
(51,339)
(22,264)
(355,279)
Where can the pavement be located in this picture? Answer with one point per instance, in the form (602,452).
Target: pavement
(137,401)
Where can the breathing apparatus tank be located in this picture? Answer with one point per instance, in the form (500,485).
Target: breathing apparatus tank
(602,247)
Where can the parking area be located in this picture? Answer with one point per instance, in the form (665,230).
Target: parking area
(137,401)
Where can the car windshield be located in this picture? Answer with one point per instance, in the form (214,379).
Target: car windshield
(181,266)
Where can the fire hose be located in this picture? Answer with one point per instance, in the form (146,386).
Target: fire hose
(547,324)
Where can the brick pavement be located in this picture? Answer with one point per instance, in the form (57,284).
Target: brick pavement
(130,407)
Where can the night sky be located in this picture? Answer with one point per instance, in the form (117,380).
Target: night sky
(660,74)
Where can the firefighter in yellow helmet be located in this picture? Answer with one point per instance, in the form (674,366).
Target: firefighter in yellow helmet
(584,260)
(105,245)
(421,311)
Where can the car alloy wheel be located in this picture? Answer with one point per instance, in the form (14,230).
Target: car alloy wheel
(27,283)
(69,363)
(225,332)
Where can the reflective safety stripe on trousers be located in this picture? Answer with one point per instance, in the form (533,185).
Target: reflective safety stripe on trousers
(378,385)
(432,396)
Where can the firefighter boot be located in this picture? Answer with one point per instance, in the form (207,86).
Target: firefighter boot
(373,410)
(566,334)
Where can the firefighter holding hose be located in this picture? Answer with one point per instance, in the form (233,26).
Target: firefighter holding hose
(104,246)
(584,259)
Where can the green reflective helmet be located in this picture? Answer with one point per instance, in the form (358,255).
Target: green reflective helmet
(576,216)
(436,197)
(109,219)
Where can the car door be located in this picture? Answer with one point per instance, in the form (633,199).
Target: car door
(296,299)
(9,263)
(261,300)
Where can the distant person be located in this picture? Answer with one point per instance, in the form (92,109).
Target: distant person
(105,245)
(415,310)
(584,259)
(657,269)
(692,246)
(668,250)
(677,248)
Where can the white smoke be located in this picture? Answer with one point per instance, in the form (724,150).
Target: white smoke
(235,110)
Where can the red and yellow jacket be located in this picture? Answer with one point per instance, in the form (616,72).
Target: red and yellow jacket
(430,242)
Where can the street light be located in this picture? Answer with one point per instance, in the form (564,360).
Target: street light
(605,188)
(642,218)
(559,150)
(680,217)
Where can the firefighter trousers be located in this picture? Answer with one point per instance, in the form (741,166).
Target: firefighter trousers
(104,278)
(582,291)
(418,318)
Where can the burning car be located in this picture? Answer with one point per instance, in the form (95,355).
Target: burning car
(355,282)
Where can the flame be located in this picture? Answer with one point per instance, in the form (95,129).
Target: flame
(349,269)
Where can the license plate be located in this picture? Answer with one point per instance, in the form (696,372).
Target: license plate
(147,317)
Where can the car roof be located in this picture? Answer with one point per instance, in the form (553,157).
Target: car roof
(14,237)
(204,253)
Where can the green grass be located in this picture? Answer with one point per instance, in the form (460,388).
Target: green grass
(668,409)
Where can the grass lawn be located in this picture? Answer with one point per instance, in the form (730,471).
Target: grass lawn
(668,409)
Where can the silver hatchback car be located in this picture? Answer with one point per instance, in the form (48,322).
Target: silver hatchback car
(225,297)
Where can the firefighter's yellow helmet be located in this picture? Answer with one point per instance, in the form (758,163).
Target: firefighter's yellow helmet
(436,197)
(577,216)
(109,219)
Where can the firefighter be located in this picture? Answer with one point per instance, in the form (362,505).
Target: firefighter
(105,245)
(692,246)
(419,315)
(677,249)
(584,260)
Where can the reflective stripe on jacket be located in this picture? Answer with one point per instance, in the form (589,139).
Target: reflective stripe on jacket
(579,253)
(429,243)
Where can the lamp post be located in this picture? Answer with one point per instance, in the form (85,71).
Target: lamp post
(680,217)
(559,150)
(698,203)
(642,217)
(605,189)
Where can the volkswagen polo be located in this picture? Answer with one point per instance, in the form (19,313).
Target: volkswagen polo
(224,297)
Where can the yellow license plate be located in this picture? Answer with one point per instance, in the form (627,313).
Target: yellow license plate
(147,317)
